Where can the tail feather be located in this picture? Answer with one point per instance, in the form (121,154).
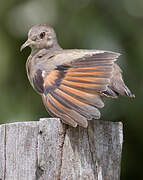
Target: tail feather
(117,85)
(110,93)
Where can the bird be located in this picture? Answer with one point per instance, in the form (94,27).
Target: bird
(72,82)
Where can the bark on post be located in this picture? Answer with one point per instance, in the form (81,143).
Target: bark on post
(49,150)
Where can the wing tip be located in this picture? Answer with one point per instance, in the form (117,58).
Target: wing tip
(114,53)
(73,123)
(85,124)
(110,54)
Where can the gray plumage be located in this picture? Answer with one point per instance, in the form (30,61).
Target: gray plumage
(72,82)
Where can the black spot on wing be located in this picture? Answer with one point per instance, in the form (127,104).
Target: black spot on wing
(51,57)
(38,81)
(63,67)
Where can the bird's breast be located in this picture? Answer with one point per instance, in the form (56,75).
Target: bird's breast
(29,69)
(34,75)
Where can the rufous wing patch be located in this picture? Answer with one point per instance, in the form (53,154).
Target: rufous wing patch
(72,92)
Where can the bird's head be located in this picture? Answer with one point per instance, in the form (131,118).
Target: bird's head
(40,36)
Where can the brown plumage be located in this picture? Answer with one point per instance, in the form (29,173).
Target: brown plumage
(72,82)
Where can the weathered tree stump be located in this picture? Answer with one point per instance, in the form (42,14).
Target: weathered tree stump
(49,150)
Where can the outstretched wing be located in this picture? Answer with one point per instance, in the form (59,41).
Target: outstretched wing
(72,90)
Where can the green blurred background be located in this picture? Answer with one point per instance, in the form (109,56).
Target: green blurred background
(107,25)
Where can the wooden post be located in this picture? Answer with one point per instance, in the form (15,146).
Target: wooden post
(49,150)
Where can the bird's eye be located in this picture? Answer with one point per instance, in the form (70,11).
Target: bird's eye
(42,35)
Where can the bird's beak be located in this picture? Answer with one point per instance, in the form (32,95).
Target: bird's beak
(27,43)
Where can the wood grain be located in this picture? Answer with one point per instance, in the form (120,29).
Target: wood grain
(49,150)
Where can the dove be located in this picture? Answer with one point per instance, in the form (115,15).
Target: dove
(72,82)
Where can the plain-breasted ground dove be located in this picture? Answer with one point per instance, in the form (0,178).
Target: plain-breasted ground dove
(73,82)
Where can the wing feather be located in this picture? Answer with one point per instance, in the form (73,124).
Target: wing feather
(86,110)
(88,74)
(90,69)
(87,98)
(56,112)
(62,109)
(71,91)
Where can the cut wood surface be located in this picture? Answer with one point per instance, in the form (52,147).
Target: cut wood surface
(49,150)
